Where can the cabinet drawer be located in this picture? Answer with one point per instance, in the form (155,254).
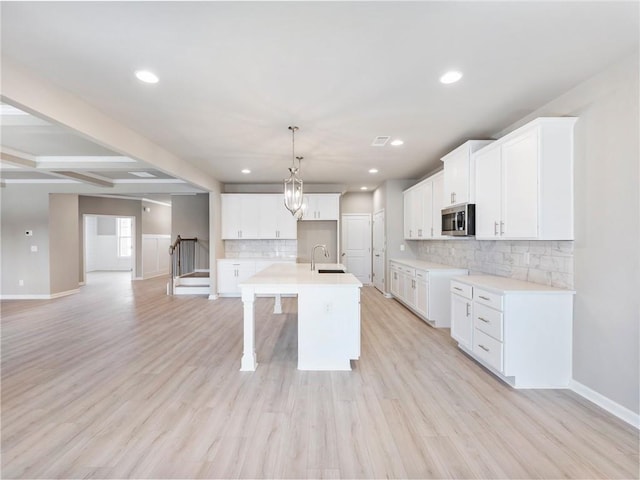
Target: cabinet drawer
(487,349)
(408,270)
(490,299)
(462,289)
(488,321)
(422,275)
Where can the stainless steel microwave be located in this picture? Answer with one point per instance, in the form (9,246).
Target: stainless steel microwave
(460,220)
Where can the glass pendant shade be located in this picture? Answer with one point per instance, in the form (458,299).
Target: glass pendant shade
(293,194)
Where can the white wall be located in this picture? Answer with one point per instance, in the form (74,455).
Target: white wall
(101,246)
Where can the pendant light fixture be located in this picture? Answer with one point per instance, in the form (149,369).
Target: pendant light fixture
(293,198)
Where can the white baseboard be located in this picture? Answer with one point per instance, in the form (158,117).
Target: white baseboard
(213,297)
(387,295)
(609,405)
(155,275)
(39,297)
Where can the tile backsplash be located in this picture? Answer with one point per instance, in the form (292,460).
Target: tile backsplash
(549,262)
(260,248)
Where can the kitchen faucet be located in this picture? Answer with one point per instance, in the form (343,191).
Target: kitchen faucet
(313,255)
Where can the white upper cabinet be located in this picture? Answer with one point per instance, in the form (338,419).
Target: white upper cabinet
(239,216)
(321,206)
(275,222)
(256,216)
(524,183)
(459,173)
(422,206)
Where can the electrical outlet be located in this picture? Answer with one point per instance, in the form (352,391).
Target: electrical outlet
(34,248)
(452,251)
(402,247)
(21,283)
(527,258)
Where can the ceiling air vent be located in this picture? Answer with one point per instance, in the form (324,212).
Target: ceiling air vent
(380,141)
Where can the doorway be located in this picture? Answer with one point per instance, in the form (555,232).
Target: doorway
(379,247)
(108,242)
(356,245)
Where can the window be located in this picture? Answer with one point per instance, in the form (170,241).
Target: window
(125,240)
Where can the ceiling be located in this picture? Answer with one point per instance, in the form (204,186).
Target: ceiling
(235,75)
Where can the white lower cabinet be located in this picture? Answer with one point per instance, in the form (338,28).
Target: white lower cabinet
(461,320)
(423,287)
(232,272)
(520,331)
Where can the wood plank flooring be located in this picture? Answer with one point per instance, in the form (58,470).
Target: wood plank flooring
(121,381)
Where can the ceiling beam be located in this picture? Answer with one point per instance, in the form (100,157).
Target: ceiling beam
(85,178)
(21,160)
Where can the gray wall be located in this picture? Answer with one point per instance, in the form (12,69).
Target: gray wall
(606,325)
(607,259)
(356,202)
(24,207)
(190,218)
(64,243)
(112,206)
(388,197)
(316,232)
(605,256)
(157,221)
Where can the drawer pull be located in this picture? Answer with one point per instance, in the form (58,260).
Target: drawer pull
(483,320)
(483,347)
(457,288)
(484,298)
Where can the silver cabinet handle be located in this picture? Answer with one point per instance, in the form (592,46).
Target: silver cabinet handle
(501,228)
(451,197)
(483,347)
(495,229)
(454,197)
(484,298)
(432,231)
(457,288)
(483,320)
(419,232)
(468,305)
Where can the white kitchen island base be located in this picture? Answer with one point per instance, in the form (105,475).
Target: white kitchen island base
(328,315)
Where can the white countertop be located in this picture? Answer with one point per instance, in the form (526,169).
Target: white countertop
(504,285)
(286,274)
(423,265)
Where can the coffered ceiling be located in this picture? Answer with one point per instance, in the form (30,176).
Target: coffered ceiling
(234,75)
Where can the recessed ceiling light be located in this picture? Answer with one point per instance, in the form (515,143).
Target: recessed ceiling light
(245,171)
(397,142)
(373,170)
(363,188)
(450,77)
(146,76)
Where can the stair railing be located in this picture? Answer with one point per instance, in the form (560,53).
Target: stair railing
(183,258)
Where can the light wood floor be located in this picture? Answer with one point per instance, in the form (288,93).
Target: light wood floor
(122,381)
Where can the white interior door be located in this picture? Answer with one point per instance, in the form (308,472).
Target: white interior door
(379,242)
(356,245)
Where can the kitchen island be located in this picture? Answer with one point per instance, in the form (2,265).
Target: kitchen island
(328,313)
